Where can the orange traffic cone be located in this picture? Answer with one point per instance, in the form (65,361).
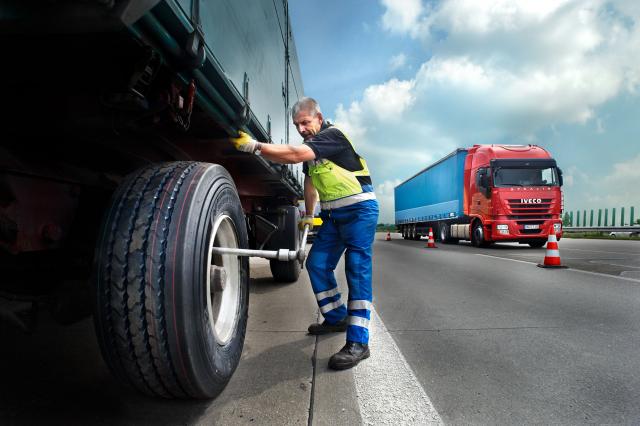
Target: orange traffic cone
(552,256)
(431,243)
(388,236)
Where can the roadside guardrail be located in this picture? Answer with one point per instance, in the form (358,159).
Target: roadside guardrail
(601,228)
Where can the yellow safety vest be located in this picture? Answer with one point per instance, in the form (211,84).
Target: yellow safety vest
(332,181)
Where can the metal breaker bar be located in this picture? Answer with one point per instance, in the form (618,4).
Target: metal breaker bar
(281,254)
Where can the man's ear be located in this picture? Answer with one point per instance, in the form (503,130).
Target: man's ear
(320,117)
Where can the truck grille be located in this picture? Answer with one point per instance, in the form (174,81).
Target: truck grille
(518,210)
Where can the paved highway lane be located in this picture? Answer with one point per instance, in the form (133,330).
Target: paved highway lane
(621,258)
(499,340)
(490,338)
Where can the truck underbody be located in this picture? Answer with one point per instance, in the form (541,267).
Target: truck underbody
(114,158)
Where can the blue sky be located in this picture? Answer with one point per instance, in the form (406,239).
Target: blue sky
(411,80)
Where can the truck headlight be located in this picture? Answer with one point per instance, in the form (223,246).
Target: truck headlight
(502,227)
(557,227)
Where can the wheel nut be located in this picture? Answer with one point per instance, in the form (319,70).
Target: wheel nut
(218,277)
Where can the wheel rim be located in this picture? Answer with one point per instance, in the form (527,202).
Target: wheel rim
(479,234)
(223,281)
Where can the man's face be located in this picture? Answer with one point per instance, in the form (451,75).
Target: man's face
(307,124)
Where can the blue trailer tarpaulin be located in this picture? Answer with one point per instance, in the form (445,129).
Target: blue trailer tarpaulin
(435,193)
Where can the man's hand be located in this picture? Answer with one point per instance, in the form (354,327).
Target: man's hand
(307,220)
(244,142)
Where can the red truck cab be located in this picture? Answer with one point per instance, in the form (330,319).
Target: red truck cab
(512,193)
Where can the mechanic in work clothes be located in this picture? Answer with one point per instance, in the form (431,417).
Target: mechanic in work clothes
(336,174)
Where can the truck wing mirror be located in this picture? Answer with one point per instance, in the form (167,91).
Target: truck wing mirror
(560,178)
(483,182)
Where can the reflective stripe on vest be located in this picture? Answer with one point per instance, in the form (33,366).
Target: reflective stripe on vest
(332,181)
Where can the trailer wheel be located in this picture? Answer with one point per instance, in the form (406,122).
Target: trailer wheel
(288,237)
(170,316)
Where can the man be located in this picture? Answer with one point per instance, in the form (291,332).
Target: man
(340,177)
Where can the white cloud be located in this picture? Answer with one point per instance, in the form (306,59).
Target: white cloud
(501,70)
(390,100)
(540,62)
(482,17)
(402,16)
(569,180)
(626,171)
(398,61)
(618,188)
(458,72)
(384,193)
(381,104)
(574,175)
(351,121)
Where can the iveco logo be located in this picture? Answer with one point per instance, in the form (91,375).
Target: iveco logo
(530,200)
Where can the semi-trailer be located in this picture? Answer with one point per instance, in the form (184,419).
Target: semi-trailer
(484,194)
(118,185)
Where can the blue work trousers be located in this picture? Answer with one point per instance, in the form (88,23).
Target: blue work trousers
(349,229)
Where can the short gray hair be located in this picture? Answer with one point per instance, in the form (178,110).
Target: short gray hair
(309,105)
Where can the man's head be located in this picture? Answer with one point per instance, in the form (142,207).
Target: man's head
(307,117)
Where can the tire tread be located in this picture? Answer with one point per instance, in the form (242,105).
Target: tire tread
(134,332)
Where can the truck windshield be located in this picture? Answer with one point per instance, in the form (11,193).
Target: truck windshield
(507,176)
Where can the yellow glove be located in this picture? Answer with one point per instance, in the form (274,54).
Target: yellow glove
(307,220)
(244,142)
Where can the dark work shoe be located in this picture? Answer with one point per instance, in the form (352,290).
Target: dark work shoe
(349,356)
(325,328)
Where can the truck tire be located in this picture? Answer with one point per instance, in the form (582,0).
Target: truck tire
(287,237)
(171,316)
(477,235)
(444,231)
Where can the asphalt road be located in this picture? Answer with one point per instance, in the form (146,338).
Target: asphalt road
(494,339)
(462,335)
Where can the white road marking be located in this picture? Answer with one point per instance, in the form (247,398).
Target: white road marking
(630,273)
(506,258)
(601,251)
(388,391)
(602,262)
(568,270)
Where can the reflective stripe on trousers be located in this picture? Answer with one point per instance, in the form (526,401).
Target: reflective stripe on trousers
(350,230)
